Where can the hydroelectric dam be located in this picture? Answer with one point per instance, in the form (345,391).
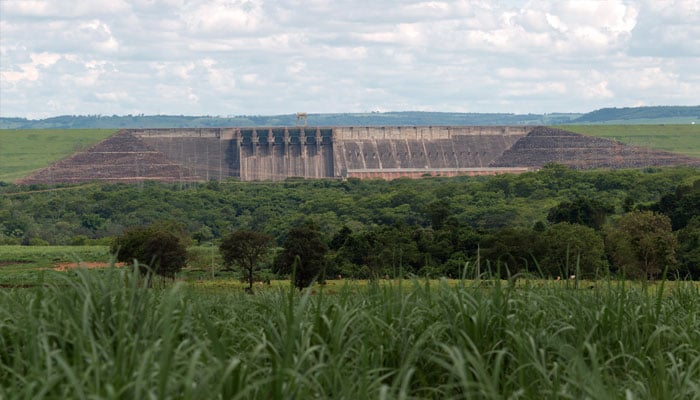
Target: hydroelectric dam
(279,153)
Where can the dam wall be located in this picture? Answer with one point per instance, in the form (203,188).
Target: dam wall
(251,154)
(424,132)
(434,150)
(201,152)
(277,153)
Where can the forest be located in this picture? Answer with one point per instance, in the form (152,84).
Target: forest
(552,222)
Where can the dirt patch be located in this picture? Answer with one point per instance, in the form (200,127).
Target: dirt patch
(89,265)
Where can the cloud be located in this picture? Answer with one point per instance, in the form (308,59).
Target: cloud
(266,57)
(219,18)
(47,10)
(30,71)
(667,29)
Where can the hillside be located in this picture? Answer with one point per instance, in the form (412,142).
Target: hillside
(634,115)
(342,119)
(662,114)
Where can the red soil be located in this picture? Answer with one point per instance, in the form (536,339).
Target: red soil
(89,265)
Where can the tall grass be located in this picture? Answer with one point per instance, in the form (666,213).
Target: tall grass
(105,335)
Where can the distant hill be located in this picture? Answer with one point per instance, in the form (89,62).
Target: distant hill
(640,114)
(635,115)
(406,118)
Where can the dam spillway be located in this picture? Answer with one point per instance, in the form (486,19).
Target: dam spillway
(278,153)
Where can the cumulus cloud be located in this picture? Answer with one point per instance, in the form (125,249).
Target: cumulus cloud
(667,29)
(29,71)
(218,18)
(265,57)
(61,10)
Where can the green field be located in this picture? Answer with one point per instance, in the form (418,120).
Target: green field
(24,151)
(683,139)
(25,265)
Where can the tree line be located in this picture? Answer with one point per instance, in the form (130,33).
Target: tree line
(407,118)
(553,222)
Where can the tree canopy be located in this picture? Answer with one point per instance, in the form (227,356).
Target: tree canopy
(429,226)
(642,244)
(157,248)
(582,210)
(305,245)
(246,249)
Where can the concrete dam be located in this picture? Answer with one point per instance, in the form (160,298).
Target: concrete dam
(278,153)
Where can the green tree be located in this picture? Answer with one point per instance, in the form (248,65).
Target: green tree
(203,234)
(438,211)
(689,248)
(167,251)
(642,244)
(340,238)
(583,211)
(246,249)
(680,206)
(306,243)
(512,249)
(157,248)
(565,246)
(361,251)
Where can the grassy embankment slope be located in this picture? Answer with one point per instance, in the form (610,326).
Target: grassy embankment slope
(682,139)
(24,151)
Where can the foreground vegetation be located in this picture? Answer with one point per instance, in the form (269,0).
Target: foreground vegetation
(104,335)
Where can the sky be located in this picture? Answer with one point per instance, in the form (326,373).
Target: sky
(261,57)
